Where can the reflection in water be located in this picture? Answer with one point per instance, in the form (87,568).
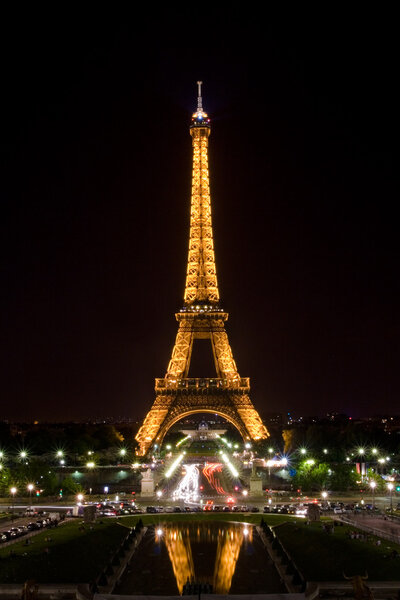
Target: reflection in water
(180,555)
(228,538)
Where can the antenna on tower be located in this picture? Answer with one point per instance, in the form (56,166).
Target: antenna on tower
(199,99)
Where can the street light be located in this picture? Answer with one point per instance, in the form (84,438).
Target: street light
(372,485)
(30,487)
(245,492)
(79,498)
(13,491)
(324,495)
(159,494)
(390,488)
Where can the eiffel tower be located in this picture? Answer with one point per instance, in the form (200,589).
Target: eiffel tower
(201,317)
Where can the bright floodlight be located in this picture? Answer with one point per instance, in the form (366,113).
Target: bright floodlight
(60,453)
(159,493)
(324,495)
(229,465)
(270,450)
(374,451)
(22,454)
(245,531)
(303,451)
(361,451)
(122,452)
(325,451)
(13,490)
(248,446)
(245,492)
(372,484)
(159,532)
(30,486)
(79,497)
(390,486)
(90,464)
(310,461)
(1,454)
(174,466)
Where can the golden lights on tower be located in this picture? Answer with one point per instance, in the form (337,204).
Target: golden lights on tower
(201,318)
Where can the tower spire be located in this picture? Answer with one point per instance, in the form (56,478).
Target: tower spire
(199,99)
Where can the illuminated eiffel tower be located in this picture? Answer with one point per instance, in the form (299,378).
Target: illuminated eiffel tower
(201,317)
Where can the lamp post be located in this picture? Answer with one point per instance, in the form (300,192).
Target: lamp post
(361,452)
(372,485)
(159,494)
(13,491)
(30,488)
(390,488)
(324,495)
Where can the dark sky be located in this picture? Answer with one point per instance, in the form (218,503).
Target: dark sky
(96,163)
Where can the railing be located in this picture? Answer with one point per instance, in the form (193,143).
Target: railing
(392,536)
(192,384)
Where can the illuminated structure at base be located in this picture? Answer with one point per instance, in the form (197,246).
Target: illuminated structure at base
(226,394)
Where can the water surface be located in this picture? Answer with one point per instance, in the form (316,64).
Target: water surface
(222,557)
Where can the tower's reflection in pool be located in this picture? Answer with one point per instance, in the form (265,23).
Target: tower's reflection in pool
(221,557)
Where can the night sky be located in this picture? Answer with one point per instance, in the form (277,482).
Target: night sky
(95,196)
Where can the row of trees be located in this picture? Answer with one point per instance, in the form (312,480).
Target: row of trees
(43,480)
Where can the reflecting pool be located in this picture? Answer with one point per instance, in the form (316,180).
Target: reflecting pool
(223,557)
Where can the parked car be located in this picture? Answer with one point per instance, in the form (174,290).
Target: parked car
(15,532)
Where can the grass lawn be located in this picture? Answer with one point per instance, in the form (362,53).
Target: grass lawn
(324,557)
(74,555)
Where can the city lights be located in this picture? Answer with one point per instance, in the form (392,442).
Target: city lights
(188,487)
(230,466)
(174,466)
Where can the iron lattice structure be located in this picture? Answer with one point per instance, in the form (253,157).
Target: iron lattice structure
(227,394)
